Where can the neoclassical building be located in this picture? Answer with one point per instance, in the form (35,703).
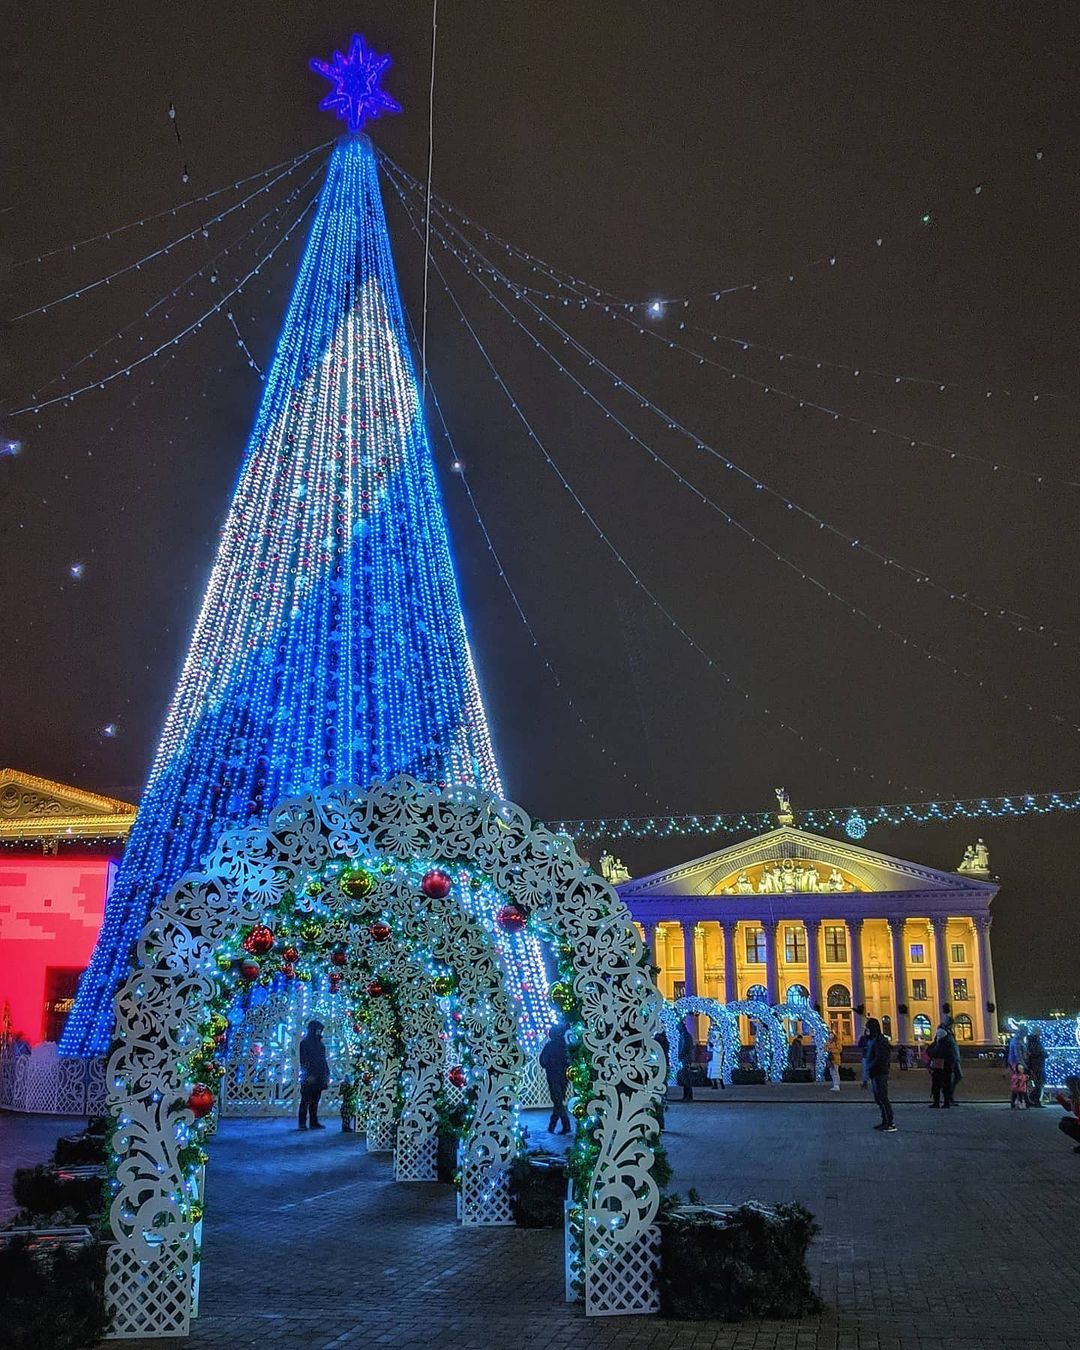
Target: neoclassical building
(856,932)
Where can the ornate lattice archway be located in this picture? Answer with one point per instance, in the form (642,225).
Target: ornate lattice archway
(155,1210)
(724,1031)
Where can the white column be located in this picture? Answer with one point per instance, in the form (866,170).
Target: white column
(769,927)
(813,973)
(988,1020)
(731,982)
(899,975)
(941,962)
(689,957)
(858,998)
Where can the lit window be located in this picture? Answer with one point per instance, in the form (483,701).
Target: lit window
(918,991)
(839,996)
(922,1026)
(835,943)
(957,953)
(755,946)
(959,991)
(758,993)
(918,954)
(795,946)
(963,1029)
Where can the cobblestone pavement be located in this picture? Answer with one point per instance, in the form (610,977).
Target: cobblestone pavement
(958,1231)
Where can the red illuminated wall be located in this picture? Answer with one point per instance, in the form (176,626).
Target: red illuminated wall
(50,913)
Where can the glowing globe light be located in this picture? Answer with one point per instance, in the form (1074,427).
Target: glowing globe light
(855,826)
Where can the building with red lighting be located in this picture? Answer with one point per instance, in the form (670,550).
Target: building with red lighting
(58,851)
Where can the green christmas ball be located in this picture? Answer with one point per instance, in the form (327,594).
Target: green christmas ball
(562,995)
(311,930)
(314,887)
(357,884)
(442,985)
(223,961)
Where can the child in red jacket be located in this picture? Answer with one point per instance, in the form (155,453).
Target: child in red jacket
(1018,1084)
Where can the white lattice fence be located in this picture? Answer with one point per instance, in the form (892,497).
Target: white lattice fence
(622,1279)
(43,1083)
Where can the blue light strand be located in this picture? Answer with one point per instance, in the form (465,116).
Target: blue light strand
(457,466)
(176,338)
(855,610)
(734,685)
(330,645)
(1019,621)
(584,292)
(208,268)
(170,210)
(200,230)
(941,811)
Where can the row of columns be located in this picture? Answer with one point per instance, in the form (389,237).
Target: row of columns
(986,1026)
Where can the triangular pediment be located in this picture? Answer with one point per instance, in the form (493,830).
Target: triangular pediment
(33,808)
(795,861)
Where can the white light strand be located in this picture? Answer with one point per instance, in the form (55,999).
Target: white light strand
(171,210)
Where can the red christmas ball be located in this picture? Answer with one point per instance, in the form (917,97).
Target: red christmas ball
(288,970)
(200,1100)
(456,1076)
(249,970)
(259,940)
(436,884)
(377,988)
(367,1078)
(291,954)
(339,957)
(511,918)
(380,932)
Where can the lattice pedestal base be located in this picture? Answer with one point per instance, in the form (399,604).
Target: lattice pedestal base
(152,1299)
(624,1281)
(414,1158)
(380,1136)
(484,1198)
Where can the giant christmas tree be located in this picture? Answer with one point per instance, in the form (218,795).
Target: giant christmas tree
(330,646)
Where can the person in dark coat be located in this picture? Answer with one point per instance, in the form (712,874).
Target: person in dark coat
(686,1061)
(1036,1064)
(553,1061)
(944,1055)
(314,1076)
(796,1055)
(877,1053)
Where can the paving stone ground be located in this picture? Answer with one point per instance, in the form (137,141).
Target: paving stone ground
(959,1231)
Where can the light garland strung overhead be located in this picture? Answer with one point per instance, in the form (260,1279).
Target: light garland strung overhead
(855,821)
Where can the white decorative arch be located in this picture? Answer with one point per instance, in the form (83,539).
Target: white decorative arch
(805,1012)
(724,1028)
(154,1214)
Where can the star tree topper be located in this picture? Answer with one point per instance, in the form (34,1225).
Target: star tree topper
(356,95)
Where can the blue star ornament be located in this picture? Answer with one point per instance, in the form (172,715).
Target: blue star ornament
(356,95)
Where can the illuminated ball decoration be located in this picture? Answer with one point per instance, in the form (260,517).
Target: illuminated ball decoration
(357,884)
(457,1076)
(442,986)
(288,970)
(562,995)
(223,961)
(339,957)
(436,884)
(855,826)
(314,888)
(511,918)
(291,955)
(378,988)
(380,932)
(311,930)
(249,970)
(200,1101)
(259,940)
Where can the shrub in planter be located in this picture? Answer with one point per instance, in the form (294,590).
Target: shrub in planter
(52,1298)
(731,1263)
(798,1075)
(79,1150)
(538,1190)
(740,1077)
(451,1127)
(42,1190)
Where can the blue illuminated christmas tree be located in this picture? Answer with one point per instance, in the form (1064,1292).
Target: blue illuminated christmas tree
(330,646)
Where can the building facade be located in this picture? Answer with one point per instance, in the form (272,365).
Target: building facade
(857,933)
(59,847)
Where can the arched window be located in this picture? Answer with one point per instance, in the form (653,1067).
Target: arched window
(797,993)
(962,1027)
(886,1026)
(922,1026)
(759,992)
(839,996)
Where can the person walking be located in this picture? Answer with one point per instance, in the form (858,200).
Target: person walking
(796,1053)
(832,1061)
(314,1076)
(1069,1101)
(876,1056)
(553,1061)
(1018,1087)
(1036,1066)
(686,1060)
(944,1056)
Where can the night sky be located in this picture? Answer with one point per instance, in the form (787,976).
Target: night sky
(652,150)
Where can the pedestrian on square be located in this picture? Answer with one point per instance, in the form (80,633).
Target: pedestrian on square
(796,1053)
(876,1056)
(715,1070)
(1036,1066)
(553,1061)
(314,1076)
(686,1060)
(1069,1101)
(1014,1052)
(347,1093)
(832,1060)
(944,1056)
(1018,1087)
(903,1058)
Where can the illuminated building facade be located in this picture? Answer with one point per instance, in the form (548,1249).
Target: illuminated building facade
(857,933)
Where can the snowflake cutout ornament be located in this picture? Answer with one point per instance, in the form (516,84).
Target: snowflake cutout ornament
(356,96)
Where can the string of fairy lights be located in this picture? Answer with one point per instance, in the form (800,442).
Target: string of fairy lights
(854,609)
